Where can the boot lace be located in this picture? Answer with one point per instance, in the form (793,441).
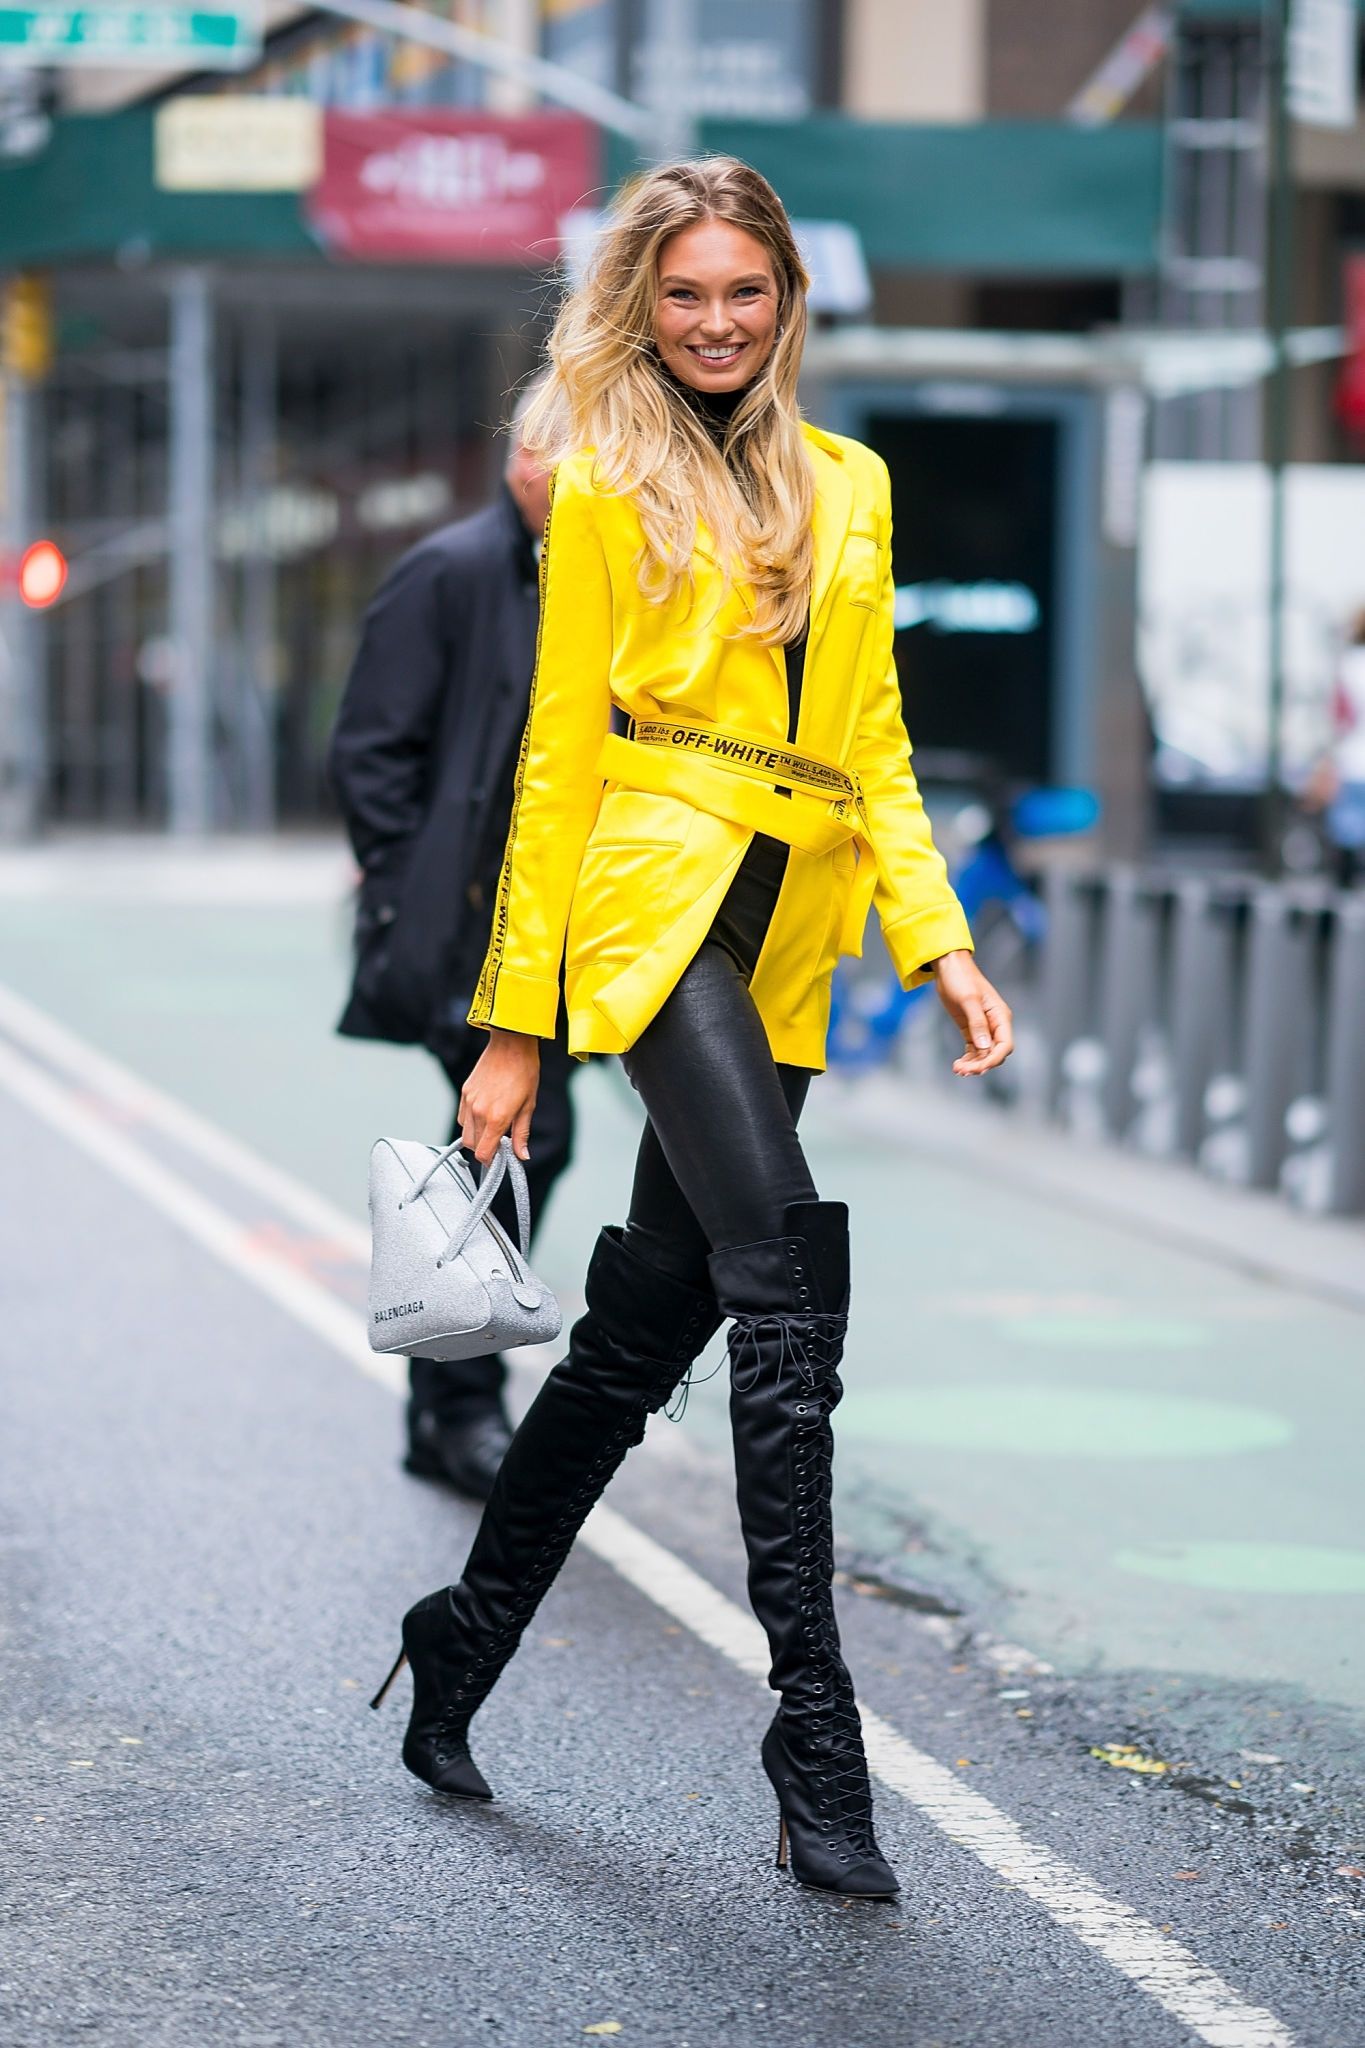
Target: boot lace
(809,1345)
(677,1406)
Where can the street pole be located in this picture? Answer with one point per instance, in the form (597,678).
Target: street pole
(189,743)
(23,697)
(673,79)
(256,667)
(1278,313)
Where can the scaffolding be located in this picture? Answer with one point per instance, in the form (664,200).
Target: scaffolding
(1211,275)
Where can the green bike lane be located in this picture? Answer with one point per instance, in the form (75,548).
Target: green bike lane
(1106,1454)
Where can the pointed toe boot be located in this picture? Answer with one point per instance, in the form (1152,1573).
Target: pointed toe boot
(433,1748)
(825,1802)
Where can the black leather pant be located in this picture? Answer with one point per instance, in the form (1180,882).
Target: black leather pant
(720,1158)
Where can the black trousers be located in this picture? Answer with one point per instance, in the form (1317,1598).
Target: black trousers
(720,1158)
(456,1389)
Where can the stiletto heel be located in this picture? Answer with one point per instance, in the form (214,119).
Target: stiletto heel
(826,1830)
(383,1691)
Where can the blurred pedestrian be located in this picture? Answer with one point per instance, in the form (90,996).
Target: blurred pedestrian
(1337,784)
(719,572)
(423,761)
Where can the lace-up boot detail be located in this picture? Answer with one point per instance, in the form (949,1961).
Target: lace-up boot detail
(788,1301)
(641,1332)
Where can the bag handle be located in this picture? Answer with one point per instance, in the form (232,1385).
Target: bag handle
(503,1163)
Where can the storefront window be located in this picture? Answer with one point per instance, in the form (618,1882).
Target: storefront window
(586,36)
(755,58)
(360,70)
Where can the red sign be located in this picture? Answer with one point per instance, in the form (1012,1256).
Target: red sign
(437,187)
(1351,382)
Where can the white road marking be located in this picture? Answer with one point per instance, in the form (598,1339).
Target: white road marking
(1167,1971)
(1162,1967)
(56,1046)
(232,1242)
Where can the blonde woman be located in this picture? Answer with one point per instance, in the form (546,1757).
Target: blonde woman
(718,574)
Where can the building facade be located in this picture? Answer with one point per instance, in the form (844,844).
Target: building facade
(251,408)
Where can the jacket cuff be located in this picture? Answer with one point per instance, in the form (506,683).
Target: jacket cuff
(914,941)
(519,1002)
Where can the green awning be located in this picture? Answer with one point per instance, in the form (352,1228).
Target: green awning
(995,197)
(90,196)
(1000,197)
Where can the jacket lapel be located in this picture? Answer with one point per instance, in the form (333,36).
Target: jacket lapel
(833,515)
(829,526)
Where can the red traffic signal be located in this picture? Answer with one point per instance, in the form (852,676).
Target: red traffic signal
(42,574)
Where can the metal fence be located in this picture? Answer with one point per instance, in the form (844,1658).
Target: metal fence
(1219,1020)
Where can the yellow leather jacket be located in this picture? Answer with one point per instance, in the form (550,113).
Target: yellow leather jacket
(624,846)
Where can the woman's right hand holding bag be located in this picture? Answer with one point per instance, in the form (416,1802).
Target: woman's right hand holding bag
(500,1095)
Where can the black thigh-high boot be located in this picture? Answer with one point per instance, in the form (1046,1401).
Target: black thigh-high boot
(788,1297)
(641,1331)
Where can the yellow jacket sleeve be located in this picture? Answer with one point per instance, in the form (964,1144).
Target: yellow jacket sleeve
(920,916)
(558,786)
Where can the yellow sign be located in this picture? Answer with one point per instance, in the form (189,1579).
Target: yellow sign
(237,142)
(26,328)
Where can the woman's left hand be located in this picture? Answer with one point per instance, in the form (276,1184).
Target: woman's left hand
(980,1014)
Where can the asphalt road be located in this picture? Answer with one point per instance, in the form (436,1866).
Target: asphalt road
(210,1839)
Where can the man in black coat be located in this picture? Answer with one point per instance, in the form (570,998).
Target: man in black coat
(423,761)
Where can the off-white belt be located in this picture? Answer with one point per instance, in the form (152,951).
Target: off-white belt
(731,775)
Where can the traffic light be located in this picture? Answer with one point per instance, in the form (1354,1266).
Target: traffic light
(26,328)
(42,574)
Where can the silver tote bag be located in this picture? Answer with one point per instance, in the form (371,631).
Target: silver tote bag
(445,1282)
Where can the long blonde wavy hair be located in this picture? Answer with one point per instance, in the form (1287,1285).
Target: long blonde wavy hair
(607,389)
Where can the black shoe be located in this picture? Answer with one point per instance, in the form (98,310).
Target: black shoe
(788,1297)
(640,1333)
(466,1455)
(825,1825)
(432,1750)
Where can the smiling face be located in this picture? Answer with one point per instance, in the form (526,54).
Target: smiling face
(716,319)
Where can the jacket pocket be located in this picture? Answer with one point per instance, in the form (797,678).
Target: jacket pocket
(621,902)
(634,817)
(860,570)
